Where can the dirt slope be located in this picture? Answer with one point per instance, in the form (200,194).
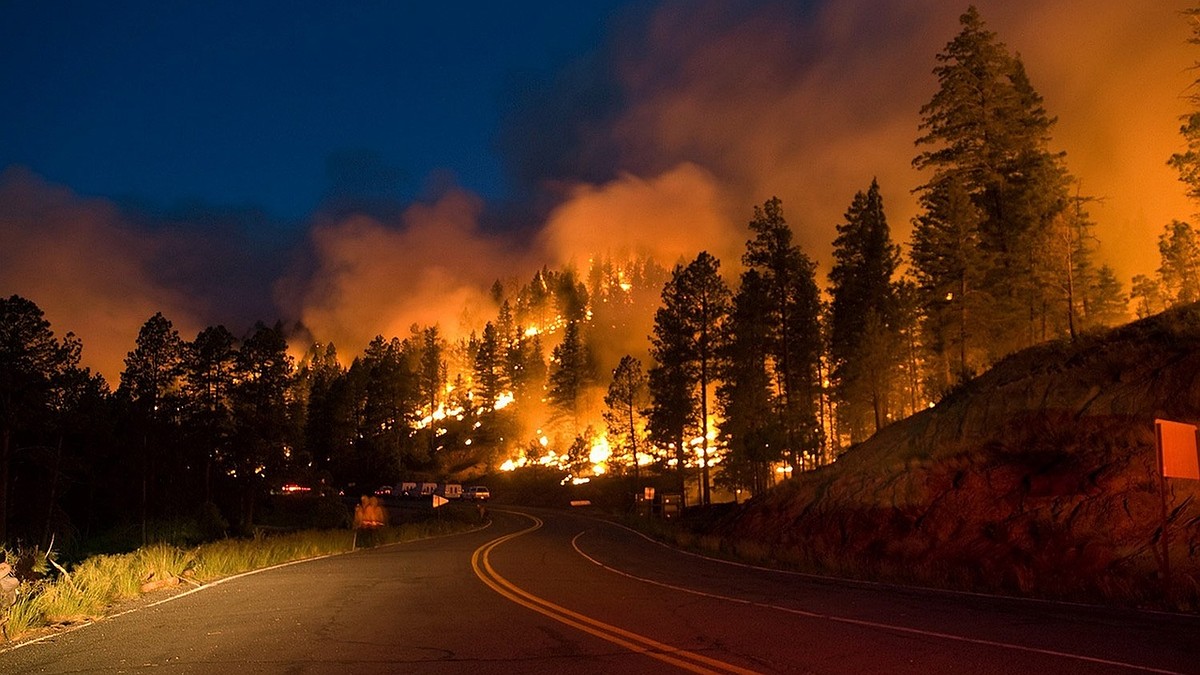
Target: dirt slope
(1038,478)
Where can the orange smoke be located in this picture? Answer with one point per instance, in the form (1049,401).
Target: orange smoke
(89,271)
(726,107)
(669,217)
(811,108)
(375,279)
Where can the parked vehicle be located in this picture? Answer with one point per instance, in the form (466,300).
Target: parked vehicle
(450,490)
(477,493)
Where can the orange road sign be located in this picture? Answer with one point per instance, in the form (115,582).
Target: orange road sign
(1177,452)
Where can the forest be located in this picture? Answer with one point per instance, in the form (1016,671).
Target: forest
(742,378)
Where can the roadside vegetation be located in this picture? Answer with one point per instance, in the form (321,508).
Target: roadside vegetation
(53,595)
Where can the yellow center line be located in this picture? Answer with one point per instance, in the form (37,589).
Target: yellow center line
(481,565)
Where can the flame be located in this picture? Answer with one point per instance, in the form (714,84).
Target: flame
(600,452)
(503,400)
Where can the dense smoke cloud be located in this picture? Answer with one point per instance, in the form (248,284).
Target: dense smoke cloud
(671,216)
(661,142)
(101,271)
(810,105)
(90,271)
(375,278)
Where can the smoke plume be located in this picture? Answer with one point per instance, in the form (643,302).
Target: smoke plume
(661,143)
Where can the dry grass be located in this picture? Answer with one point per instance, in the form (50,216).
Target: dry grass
(93,586)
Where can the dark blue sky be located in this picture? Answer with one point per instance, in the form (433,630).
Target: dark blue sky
(275,105)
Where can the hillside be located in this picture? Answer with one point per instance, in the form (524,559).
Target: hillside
(1037,478)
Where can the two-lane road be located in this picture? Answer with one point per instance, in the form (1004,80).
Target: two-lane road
(558,592)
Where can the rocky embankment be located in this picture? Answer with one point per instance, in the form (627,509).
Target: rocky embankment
(1037,478)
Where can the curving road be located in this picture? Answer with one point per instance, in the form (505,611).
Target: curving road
(550,592)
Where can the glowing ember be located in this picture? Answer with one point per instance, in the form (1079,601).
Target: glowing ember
(600,452)
(503,400)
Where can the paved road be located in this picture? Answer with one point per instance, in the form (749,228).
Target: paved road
(543,592)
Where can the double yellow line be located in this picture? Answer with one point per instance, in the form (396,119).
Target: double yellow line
(696,663)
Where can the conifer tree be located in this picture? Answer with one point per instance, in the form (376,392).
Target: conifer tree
(489,376)
(209,369)
(30,359)
(864,334)
(329,427)
(431,377)
(1187,163)
(749,426)
(950,266)
(1146,294)
(794,304)
(986,127)
(1179,270)
(1107,302)
(150,382)
(673,415)
(689,327)
(624,402)
(260,406)
(570,373)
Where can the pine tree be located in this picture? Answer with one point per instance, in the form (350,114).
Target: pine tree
(30,360)
(490,383)
(570,373)
(1179,271)
(746,400)
(431,378)
(789,277)
(329,427)
(1187,163)
(1147,296)
(489,376)
(1107,304)
(673,416)
(863,315)
(950,266)
(624,402)
(986,128)
(209,371)
(260,406)
(688,327)
(150,382)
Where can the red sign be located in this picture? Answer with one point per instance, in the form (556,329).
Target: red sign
(1177,452)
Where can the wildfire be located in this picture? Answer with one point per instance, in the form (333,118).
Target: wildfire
(503,400)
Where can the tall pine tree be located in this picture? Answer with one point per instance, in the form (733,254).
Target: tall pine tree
(864,314)
(794,311)
(688,329)
(746,398)
(986,128)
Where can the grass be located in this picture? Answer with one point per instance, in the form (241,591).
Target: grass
(92,587)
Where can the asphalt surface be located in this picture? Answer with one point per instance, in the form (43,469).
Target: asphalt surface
(553,592)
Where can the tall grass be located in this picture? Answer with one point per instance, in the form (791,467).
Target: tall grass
(95,585)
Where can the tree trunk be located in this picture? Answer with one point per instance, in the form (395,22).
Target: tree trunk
(633,445)
(5,467)
(46,532)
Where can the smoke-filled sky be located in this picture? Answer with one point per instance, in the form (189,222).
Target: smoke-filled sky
(364,166)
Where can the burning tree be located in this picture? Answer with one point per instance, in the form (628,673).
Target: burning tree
(627,396)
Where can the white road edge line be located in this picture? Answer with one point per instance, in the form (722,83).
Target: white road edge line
(865,623)
(881,584)
(218,582)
